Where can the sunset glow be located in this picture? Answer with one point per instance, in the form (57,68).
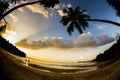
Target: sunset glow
(9,35)
(37,31)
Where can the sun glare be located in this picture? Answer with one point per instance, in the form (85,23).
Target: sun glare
(10,39)
(9,36)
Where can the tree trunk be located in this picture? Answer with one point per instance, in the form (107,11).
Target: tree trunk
(105,21)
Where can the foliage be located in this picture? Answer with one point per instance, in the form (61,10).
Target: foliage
(10,48)
(49,3)
(2,29)
(75,19)
(3,7)
(79,19)
(112,53)
(15,1)
(116,5)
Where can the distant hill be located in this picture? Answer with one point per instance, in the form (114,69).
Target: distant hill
(10,48)
(111,53)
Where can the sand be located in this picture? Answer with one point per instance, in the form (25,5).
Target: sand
(13,70)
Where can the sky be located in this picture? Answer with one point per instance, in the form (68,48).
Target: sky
(38,32)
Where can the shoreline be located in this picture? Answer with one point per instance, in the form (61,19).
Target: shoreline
(12,70)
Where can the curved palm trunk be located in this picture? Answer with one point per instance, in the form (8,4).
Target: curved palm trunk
(16,7)
(105,21)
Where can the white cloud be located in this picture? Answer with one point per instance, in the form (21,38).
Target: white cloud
(86,40)
(21,9)
(62,6)
(36,8)
(60,38)
(11,15)
(101,26)
(57,6)
(69,5)
(46,38)
(61,13)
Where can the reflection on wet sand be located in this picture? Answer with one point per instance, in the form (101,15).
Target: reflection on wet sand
(59,67)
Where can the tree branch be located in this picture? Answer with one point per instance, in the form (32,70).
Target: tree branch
(16,7)
(105,21)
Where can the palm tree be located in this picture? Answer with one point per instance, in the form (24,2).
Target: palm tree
(45,3)
(74,18)
(3,7)
(116,5)
(15,1)
(79,19)
(49,3)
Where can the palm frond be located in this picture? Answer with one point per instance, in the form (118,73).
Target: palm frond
(65,10)
(78,27)
(65,20)
(14,1)
(75,19)
(2,29)
(70,28)
(116,5)
(49,3)
(3,6)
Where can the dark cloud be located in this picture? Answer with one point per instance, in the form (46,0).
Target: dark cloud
(104,39)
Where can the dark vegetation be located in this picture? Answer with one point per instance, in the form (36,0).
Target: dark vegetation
(111,53)
(115,5)
(10,48)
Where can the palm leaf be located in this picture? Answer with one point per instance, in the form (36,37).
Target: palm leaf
(49,3)
(116,5)
(70,28)
(75,19)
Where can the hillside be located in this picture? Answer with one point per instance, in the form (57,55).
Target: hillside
(111,53)
(10,48)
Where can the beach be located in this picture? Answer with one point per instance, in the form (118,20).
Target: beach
(11,69)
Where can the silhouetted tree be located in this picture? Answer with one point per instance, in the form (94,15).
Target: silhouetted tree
(10,48)
(2,29)
(116,5)
(3,7)
(74,18)
(111,53)
(79,19)
(45,3)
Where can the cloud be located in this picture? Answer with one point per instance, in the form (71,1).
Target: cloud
(86,40)
(117,36)
(21,9)
(61,13)
(61,7)
(9,28)
(101,26)
(69,5)
(36,8)
(56,6)
(104,39)
(11,15)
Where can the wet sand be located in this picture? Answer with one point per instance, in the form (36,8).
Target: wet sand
(11,69)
